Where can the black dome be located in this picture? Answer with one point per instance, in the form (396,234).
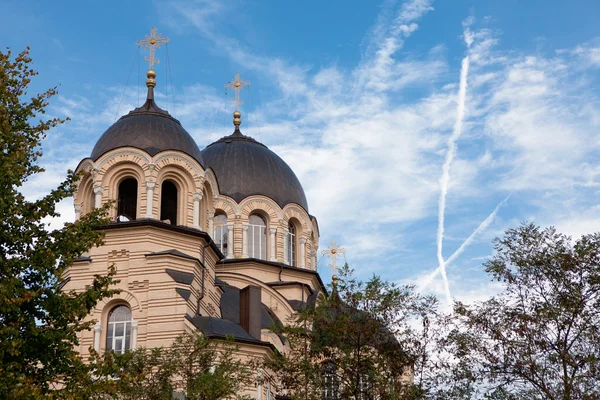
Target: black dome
(245,167)
(148,128)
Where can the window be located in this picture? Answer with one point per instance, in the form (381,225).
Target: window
(127,200)
(118,332)
(330,383)
(257,237)
(168,202)
(221,232)
(365,387)
(292,244)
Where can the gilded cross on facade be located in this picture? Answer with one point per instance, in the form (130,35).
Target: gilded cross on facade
(237,84)
(151,43)
(333,252)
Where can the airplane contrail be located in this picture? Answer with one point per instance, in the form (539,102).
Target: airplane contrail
(445,179)
(483,225)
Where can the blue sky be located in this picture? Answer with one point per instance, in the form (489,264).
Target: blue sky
(362,99)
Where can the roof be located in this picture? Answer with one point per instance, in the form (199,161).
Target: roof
(245,167)
(150,222)
(147,128)
(230,307)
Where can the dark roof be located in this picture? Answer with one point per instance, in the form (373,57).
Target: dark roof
(225,261)
(185,278)
(173,252)
(162,225)
(148,128)
(245,167)
(217,328)
(230,307)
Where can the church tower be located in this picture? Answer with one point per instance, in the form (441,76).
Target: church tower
(218,240)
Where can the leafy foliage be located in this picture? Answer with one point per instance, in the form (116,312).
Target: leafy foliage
(198,368)
(359,342)
(38,322)
(540,337)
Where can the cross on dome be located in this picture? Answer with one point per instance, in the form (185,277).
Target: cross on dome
(237,84)
(333,252)
(151,43)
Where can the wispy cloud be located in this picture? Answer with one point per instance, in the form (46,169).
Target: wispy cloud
(368,140)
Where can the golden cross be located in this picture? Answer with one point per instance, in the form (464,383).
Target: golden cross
(334,251)
(237,84)
(151,43)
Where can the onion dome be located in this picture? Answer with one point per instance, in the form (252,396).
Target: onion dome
(148,128)
(245,167)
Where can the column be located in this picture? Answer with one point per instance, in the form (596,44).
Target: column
(273,255)
(315,258)
(134,334)
(211,226)
(229,240)
(77,211)
(245,241)
(97,334)
(301,252)
(149,198)
(286,247)
(98,196)
(197,198)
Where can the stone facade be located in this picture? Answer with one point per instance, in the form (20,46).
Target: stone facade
(174,275)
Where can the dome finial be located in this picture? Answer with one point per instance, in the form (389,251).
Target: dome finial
(237,120)
(333,252)
(151,43)
(237,84)
(150,83)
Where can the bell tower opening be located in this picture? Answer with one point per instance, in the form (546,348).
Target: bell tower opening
(168,202)
(127,201)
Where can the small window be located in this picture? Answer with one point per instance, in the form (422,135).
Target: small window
(168,203)
(257,237)
(292,244)
(365,387)
(127,200)
(221,232)
(118,332)
(330,383)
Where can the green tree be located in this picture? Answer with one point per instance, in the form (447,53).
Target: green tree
(358,343)
(540,337)
(194,367)
(38,321)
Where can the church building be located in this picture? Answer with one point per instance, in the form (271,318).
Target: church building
(219,240)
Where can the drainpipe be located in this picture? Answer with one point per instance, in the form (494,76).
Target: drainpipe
(201,297)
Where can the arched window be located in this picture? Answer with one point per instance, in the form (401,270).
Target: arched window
(291,248)
(330,382)
(127,200)
(221,232)
(118,330)
(257,237)
(365,387)
(168,202)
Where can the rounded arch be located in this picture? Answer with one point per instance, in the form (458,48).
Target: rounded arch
(118,173)
(211,180)
(185,186)
(297,212)
(258,237)
(84,196)
(207,206)
(86,166)
(262,204)
(122,155)
(123,297)
(227,205)
(182,160)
